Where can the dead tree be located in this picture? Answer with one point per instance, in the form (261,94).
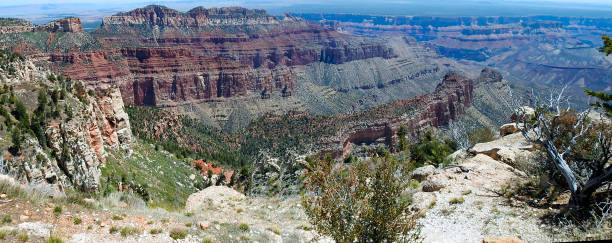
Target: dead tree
(542,126)
(460,133)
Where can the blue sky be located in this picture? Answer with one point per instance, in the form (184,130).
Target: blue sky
(25,2)
(42,11)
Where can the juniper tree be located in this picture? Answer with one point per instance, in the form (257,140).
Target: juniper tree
(580,150)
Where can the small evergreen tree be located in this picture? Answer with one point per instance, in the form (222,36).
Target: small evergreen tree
(401,133)
(430,150)
(17,139)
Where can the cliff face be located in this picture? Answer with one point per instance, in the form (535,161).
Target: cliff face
(78,130)
(162,57)
(450,100)
(61,25)
(337,134)
(533,50)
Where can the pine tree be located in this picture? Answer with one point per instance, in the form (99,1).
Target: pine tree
(604,98)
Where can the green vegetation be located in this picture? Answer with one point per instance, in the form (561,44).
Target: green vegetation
(374,207)
(457,200)
(77,220)
(156,231)
(196,138)
(129,230)
(162,182)
(113,230)
(57,210)
(401,134)
(23,236)
(178,233)
(607,45)
(431,150)
(54,239)
(7,219)
(117,217)
(243,227)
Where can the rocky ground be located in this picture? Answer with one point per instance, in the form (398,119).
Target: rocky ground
(463,202)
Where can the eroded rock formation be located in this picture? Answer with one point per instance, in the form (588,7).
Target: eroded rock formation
(76,145)
(446,103)
(162,57)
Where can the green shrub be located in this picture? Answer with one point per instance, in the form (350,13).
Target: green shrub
(129,230)
(117,217)
(178,233)
(57,210)
(6,219)
(468,192)
(54,239)
(430,150)
(113,230)
(243,227)
(457,200)
(155,231)
(77,220)
(373,209)
(23,236)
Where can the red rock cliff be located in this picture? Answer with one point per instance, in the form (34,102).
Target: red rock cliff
(163,57)
(450,99)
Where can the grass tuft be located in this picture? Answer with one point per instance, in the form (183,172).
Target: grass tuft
(178,233)
(129,230)
(243,226)
(54,239)
(457,200)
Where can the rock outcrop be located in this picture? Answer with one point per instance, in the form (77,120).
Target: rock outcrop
(212,195)
(62,25)
(76,144)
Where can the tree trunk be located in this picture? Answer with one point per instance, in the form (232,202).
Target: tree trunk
(579,199)
(562,165)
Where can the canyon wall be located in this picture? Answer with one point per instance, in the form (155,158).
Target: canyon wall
(162,57)
(537,51)
(78,133)
(449,100)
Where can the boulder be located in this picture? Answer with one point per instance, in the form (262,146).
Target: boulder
(432,186)
(212,195)
(204,225)
(422,173)
(508,129)
(422,200)
(458,155)
(37,229)
(506,149)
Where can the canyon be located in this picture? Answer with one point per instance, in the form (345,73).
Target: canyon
(217,61)
(536,51)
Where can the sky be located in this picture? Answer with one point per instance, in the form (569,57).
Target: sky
(27,2)
(42,11)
